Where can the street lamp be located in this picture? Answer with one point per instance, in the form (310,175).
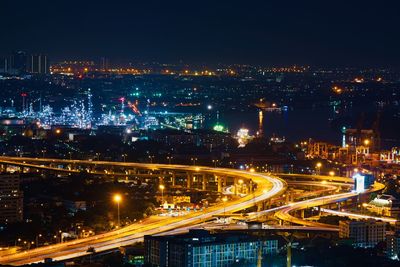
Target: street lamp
(169,159)
(162,187)
(332,173)
(318,166)
(37,239)
(193,160)
(224,199)
(118,199)
(124,156)
(215,161)
(367,142)
(151,159)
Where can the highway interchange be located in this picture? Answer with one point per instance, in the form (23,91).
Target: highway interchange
(269,189)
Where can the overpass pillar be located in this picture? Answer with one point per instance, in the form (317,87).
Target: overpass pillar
(173,178)
(219,182)
(160,180)
(251,186)
(189,180)
(204,182)
(235,184)
(260,206)
(267,204)
(288,197)
(302,214)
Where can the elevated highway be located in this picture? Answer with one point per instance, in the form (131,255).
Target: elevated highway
(332,188)
(267,187)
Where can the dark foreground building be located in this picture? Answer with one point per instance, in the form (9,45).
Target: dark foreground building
(200,248)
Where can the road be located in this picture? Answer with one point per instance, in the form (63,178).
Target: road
(267,187)
(284,212)
(352,215)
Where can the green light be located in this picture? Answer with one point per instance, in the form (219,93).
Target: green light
(219,128)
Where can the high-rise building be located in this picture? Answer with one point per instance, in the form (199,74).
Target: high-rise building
(393,245)
(38,64)
(105,64)
(18,62)
(363,233)
(201,248)
(4,64)
(11,198)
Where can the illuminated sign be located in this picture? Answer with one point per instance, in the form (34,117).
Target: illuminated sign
(359,181)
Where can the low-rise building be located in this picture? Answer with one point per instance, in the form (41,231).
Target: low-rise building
(11,198)
(385,205)
(366,233)
(201,248)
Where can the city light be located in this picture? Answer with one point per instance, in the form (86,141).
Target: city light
(117,199)
(256,156)
(162,187)
(359,183)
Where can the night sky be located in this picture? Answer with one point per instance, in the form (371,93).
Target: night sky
(323,33)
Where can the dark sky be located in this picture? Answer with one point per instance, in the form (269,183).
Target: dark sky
(323,32)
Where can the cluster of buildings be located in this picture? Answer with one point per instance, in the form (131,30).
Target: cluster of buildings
(20,62)
(79,115)
(370,233)
(360,147)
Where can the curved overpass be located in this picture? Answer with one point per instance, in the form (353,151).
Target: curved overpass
(285,212)
(330,183)
(267,187)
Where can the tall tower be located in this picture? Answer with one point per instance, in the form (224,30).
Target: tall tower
(343,136)
(18,62)
(24,104)
(38,64)
(260,123)
(90,109)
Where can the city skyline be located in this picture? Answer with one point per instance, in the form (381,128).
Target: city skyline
(194,134)
(265,33)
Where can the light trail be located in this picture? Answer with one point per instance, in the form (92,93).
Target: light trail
(284,214)
(267,187)
(359,216)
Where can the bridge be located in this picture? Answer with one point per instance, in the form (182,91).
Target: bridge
(264,190)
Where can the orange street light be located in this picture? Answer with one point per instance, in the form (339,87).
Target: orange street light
(162,187)
(117,199)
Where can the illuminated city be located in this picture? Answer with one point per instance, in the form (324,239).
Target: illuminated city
(199,134)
